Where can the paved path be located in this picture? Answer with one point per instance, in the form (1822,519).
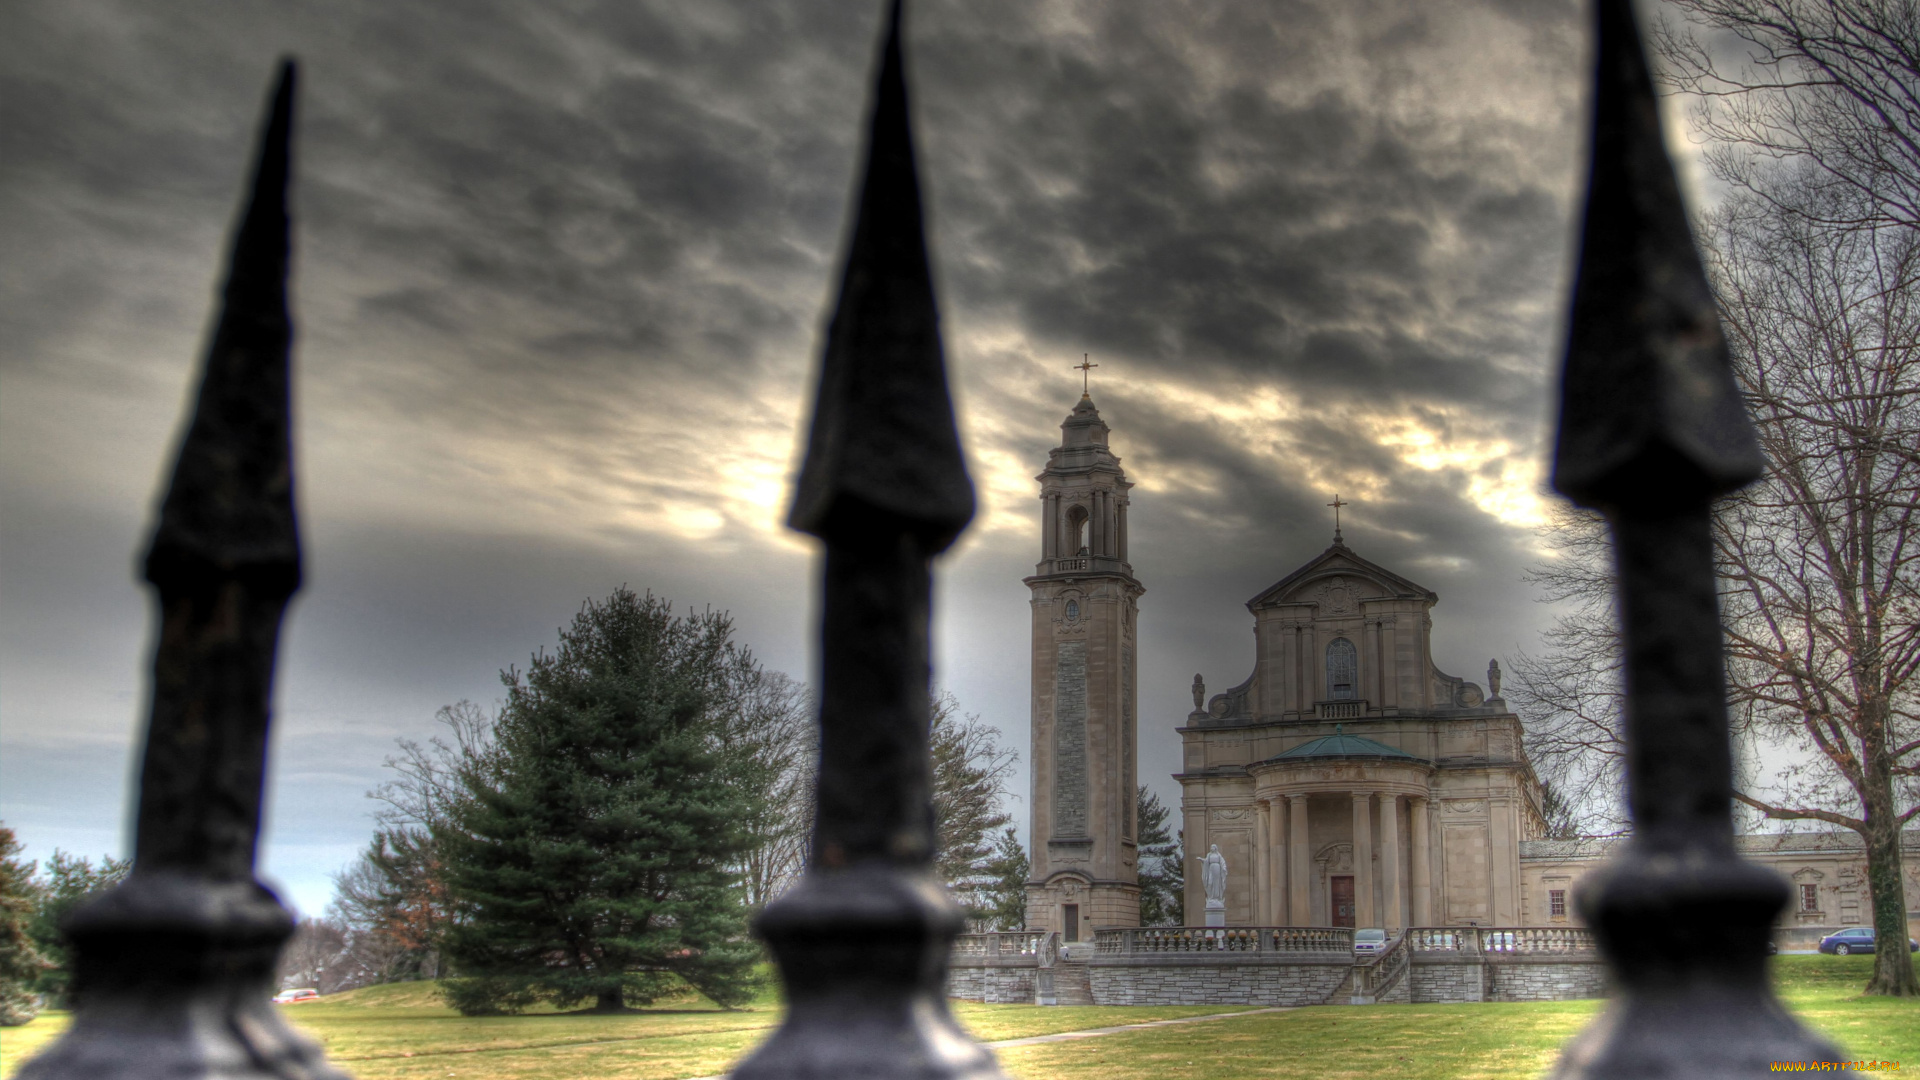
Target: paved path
(1090,1033)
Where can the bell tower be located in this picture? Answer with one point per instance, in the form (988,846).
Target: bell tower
(1085,599)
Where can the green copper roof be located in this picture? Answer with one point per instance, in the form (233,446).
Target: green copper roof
(1340,744)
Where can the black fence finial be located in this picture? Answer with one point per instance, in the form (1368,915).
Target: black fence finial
(862,941)
(1651,431)
(173,967)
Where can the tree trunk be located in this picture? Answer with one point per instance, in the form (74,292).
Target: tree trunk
(1893,974)
(613,1001)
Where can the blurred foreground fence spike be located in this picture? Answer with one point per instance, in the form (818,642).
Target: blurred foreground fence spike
(862,941)
(1651,431)
(173,968)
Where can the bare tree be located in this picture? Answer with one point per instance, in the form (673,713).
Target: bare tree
(1822,558)
(775,716)
(1820,578)
(1832,83)
(1568,696)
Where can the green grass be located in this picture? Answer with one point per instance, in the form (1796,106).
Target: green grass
(404,1032)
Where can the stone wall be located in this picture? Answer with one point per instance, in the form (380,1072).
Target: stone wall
(1212,980)
(997,985)
(1448,981)
(1539,979)
(1507,978)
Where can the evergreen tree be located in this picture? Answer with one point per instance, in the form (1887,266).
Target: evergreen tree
(1163,875)
(60,887)
(592,853)
(1006,898)
(20,961)
(970,770)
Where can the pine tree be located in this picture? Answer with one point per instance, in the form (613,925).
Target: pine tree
(20,961)
(1006,907)
(64,884)
(1163,876)
(593,853)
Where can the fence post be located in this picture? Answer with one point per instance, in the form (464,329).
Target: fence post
(173,967)
(861,942)
(1651,431)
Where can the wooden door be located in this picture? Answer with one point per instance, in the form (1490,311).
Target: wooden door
(1342,906)
(1072,913)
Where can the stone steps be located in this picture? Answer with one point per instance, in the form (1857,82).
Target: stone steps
(1071,986)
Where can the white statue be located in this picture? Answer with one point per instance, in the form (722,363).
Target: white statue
(1213,876)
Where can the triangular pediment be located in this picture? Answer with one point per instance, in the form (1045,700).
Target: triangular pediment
(1339,561)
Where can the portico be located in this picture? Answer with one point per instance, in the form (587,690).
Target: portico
(1352,876)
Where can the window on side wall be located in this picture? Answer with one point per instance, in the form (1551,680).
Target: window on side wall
(1557,903)
(1809,898)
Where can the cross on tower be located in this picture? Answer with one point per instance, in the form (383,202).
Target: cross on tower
(1085,368)
(1337,504)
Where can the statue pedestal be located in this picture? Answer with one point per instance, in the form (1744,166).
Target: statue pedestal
(1216,913)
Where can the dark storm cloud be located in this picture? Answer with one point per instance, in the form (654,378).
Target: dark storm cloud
(561,270)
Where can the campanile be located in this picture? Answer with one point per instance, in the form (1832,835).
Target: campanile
(1085,602)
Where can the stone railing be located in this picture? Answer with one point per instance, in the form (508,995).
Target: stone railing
(1502,940)
(1348,709)
(1003,944)
(1375,975)
(1272,940)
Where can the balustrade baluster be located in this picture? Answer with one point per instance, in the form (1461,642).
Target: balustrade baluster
(1651,431)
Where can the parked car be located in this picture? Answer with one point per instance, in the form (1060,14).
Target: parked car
(296,997)
(1369,941)
(1856,939)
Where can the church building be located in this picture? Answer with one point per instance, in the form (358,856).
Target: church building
(1348,781)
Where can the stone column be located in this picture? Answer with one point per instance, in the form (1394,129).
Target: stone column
(1363,859)
(1299,874)
(1277,862)
(1376,663)
(1390,862)
(1421,869)
(1390,694)
(1258,893)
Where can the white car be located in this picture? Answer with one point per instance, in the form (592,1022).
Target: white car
(1369,941)
(296,997)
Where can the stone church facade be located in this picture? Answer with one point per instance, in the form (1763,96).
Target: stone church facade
(1348,781)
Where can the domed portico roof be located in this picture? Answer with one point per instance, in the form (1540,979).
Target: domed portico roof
(1341,745)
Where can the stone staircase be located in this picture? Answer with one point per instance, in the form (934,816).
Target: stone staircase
(1071,986)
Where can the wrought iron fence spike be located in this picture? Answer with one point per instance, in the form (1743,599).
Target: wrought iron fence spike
(883,441)
(862,941)
(1651,430)
(173,967)
(1648,407)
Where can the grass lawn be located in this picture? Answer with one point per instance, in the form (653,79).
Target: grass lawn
(403,1032)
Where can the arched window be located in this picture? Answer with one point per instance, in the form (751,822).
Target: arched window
(1343,670)
(1077,531)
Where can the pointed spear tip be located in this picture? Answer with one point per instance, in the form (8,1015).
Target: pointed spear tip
(1649,412)
(884,451)
(228,508)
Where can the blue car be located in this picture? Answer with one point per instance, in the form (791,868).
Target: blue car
(1855,939)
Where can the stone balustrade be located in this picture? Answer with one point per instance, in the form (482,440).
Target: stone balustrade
(1502,940)
(1272,940)
(1007,944)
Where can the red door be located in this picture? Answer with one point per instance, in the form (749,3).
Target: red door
(1343,901)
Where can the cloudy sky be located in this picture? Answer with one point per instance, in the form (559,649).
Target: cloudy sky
(561,272)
